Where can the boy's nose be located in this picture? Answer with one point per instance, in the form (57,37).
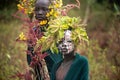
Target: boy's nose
(40,12)
(64,45)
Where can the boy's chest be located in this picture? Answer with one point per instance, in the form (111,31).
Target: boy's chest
(62,71)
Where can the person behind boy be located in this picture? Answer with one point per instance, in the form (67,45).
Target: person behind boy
(41,9)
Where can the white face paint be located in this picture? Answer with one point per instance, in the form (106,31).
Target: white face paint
(66,45)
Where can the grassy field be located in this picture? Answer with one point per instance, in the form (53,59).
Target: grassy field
(12,55)
(103,52)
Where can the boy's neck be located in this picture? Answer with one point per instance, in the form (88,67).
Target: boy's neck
(69,57)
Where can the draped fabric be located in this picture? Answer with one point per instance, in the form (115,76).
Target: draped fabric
(79,69)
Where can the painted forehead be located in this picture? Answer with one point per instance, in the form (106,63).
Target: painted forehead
(67,35)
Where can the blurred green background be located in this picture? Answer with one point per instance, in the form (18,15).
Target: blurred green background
(103,27)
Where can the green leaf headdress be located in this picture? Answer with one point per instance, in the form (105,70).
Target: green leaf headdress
(55,32)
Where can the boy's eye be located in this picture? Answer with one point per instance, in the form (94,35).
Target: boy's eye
(45,9)
(36,9)
(69,41)
(60,42)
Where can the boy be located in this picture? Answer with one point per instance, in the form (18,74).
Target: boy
(74,66)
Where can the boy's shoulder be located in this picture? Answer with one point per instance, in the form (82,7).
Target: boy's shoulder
(81,58)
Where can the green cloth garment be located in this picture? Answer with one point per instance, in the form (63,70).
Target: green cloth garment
(79,69)
(52,59)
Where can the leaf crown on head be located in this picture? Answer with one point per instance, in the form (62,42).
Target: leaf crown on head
(55,32)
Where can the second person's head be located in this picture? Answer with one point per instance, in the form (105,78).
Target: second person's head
(41,9)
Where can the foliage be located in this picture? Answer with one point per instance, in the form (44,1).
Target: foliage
(26,6)
(100,67)
(55,32)
(31,35)
(11,57)
(102,55)
(6,13)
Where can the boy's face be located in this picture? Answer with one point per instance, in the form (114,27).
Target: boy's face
(66,45)
(41,9)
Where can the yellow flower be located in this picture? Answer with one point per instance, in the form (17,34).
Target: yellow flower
(56,5)
(24,0)
(20,7)
(55,14)
(22,36)
(48,14)
(51,12)
(43,22)
(25,10)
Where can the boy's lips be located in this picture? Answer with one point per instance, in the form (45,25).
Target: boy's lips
(64,50)
(40,18)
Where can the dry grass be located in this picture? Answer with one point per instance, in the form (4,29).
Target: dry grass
(12,55)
